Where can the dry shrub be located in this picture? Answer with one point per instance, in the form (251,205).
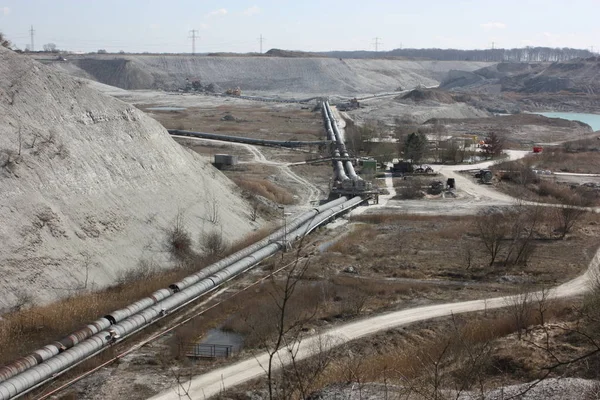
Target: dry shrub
(551,189)
(410,190)
(257,313)
(213,244)
(266,189)
(385,218)
(461,350)
(350,243)
(25,330)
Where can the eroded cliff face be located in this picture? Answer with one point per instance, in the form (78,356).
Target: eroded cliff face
(89,185)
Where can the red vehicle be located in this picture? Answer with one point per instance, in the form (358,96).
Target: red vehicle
(537,149)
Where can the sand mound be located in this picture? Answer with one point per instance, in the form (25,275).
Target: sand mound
(86,179)
(420,95)
(285,74)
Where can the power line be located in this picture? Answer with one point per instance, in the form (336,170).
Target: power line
(377,43)
(193,36)
(261,39)
(31,32)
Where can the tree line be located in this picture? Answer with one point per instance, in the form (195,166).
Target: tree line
(525,54)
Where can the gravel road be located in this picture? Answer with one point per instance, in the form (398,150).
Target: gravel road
(212,383)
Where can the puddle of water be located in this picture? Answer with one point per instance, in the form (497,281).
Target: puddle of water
(219,337)
(166,108)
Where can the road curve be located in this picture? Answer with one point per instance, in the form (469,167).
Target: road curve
(214,382)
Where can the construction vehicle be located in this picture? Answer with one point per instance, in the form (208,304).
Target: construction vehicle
(234,92)
(353,104)
(485,176)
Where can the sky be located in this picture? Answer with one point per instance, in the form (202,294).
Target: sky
(308,25)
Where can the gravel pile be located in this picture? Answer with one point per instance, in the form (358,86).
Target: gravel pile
(89,185)
(316,76)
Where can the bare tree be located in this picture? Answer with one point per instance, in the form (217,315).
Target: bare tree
(492,231)
(4,42)
(179,242)
(50,47)
(213,209)
(520,308)
(569,214)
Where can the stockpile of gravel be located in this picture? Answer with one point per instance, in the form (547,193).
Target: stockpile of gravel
(310,75)
(89,184)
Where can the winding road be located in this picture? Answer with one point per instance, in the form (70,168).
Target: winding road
(214,382)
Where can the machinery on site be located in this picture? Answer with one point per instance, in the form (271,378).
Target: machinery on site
(485,176)
(234,92)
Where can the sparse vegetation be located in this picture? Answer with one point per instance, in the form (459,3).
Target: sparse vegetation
(4,42)
(266,189)
(179,241)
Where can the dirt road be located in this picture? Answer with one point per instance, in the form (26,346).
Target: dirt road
(214,382)
(309,192)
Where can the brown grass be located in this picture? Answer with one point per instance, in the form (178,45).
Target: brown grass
(23,331)
(266,189)
(27,329)
(408,358)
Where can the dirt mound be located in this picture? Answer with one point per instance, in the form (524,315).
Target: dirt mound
(575,76)
(281,73)
(419,95)
(290,53)
(89,185)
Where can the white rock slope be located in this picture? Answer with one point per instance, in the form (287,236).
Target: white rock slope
(88,179)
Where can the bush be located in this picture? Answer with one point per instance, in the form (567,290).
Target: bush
(266,189)
(179,242)
(213,244)
(412,190)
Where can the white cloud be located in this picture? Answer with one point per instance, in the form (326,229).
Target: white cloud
(252,10)
(204,27)
(493,25)
(217,13)
(5,10)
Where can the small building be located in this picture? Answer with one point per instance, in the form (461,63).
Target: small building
(222,160)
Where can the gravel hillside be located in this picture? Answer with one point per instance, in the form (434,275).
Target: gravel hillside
(316,76)
(86,179)
(574,76)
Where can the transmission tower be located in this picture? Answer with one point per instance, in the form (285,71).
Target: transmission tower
(31,32)
(376,43)
(193,36)
(261,39)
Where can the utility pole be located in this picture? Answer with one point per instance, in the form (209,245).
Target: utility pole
(377,43)
(261,39)
(31,32)
(193,36)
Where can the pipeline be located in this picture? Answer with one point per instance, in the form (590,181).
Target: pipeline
(239,139)
(344,171)
(29,371)
(45,353)
(36,375)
